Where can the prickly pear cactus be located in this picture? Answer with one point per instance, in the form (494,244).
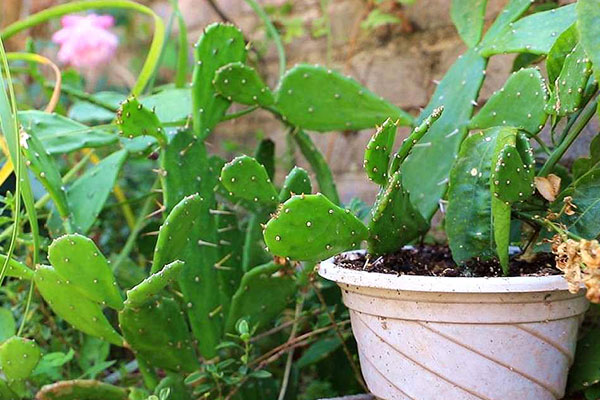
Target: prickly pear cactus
(80,389)
(18,358)
(394,221)
(77,259)
(265,155)
(562,47)
(587,27)
(246,178)
(135,120)
(520,103)
(153,285)
(312,228)
(296,182)
(241,83)
(569,87)
(378,151)
(158,332)
(221,44)
(512,177)
(469,17)
(15,269)
(248,301)
(320,99)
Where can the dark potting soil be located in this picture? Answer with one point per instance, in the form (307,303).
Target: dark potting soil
(428,260)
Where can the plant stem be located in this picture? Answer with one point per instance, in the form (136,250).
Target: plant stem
(290,357)
(576,129)
(78,94)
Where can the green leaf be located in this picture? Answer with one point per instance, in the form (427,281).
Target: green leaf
(312,228)
(520,103)
(8,326)
(377,18)
(469,17)
(588,14)
(90,113)
(241,83)
(585,371)
(585,192)
(320,99)
(535,33)
(61,135)
(80,389)
(71,305)
(437,150)
(88,193)
(563,45)
(171,105)
(248,302)
(18,357)
(77,259)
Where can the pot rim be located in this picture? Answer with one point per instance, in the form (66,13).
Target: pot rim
(415,283)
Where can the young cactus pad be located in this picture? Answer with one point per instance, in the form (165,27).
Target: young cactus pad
(80,389)
(378,151)
(153,284)
(320,99)
(562,47)
(246,178)
(221,44)
(135,120)
(296,182)
(569,87)
(77,259)
(512,177)
(241,83)
(73,306)
(520,103)
(394,221)
(18,358)
(312,228)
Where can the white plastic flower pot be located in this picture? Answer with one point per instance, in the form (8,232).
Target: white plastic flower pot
(433,338)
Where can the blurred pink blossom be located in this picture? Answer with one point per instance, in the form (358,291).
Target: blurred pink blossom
(85,41)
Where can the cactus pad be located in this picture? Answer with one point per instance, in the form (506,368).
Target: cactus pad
(296,182)
(588,13)
(394,221)
(153,284)
(520,104)
(135,120)
(249,300)
(378,151)
(221,44)
(563,46)
(18,357)
(468,17)
(319,99)
(312,228)
(80,389)
(76,258)
(73,306)
(246,178)
(241,83)
(571,82)
(157,331)
(512,178)
(265,155)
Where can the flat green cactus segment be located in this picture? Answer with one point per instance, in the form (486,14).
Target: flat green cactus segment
(8,326)
(249,300)
(468,17)
(378,151)
(88,194)
(185,168)
(588,13)
(254,252)
(437,149)
(534,34)
(77,259)
(157,332)
(135,120)
(71,305)
(296,182)
(513,10)
(469,214)
(154,284)
(81,389)
(312,228)
(320,99)
(265,155)
(512,177)
(170,105)
(46,171)
(501,228)
(318,164)
(411,141)
(394,220)
(178,390)
(175,231)
(241,83)
(61,135)
(16,269)
(221,44)
(570,85)
(562,47)
(18,357)
(231,245)
(246,178)
(520,103)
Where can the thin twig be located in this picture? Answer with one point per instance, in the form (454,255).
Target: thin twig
(290,357)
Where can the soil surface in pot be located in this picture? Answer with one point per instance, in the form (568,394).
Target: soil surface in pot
(430,260)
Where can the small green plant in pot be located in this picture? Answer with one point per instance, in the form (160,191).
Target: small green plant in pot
(483,313)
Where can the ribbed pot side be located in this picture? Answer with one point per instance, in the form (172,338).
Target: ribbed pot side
(426,338)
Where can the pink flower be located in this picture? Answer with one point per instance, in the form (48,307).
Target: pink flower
(85,41)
